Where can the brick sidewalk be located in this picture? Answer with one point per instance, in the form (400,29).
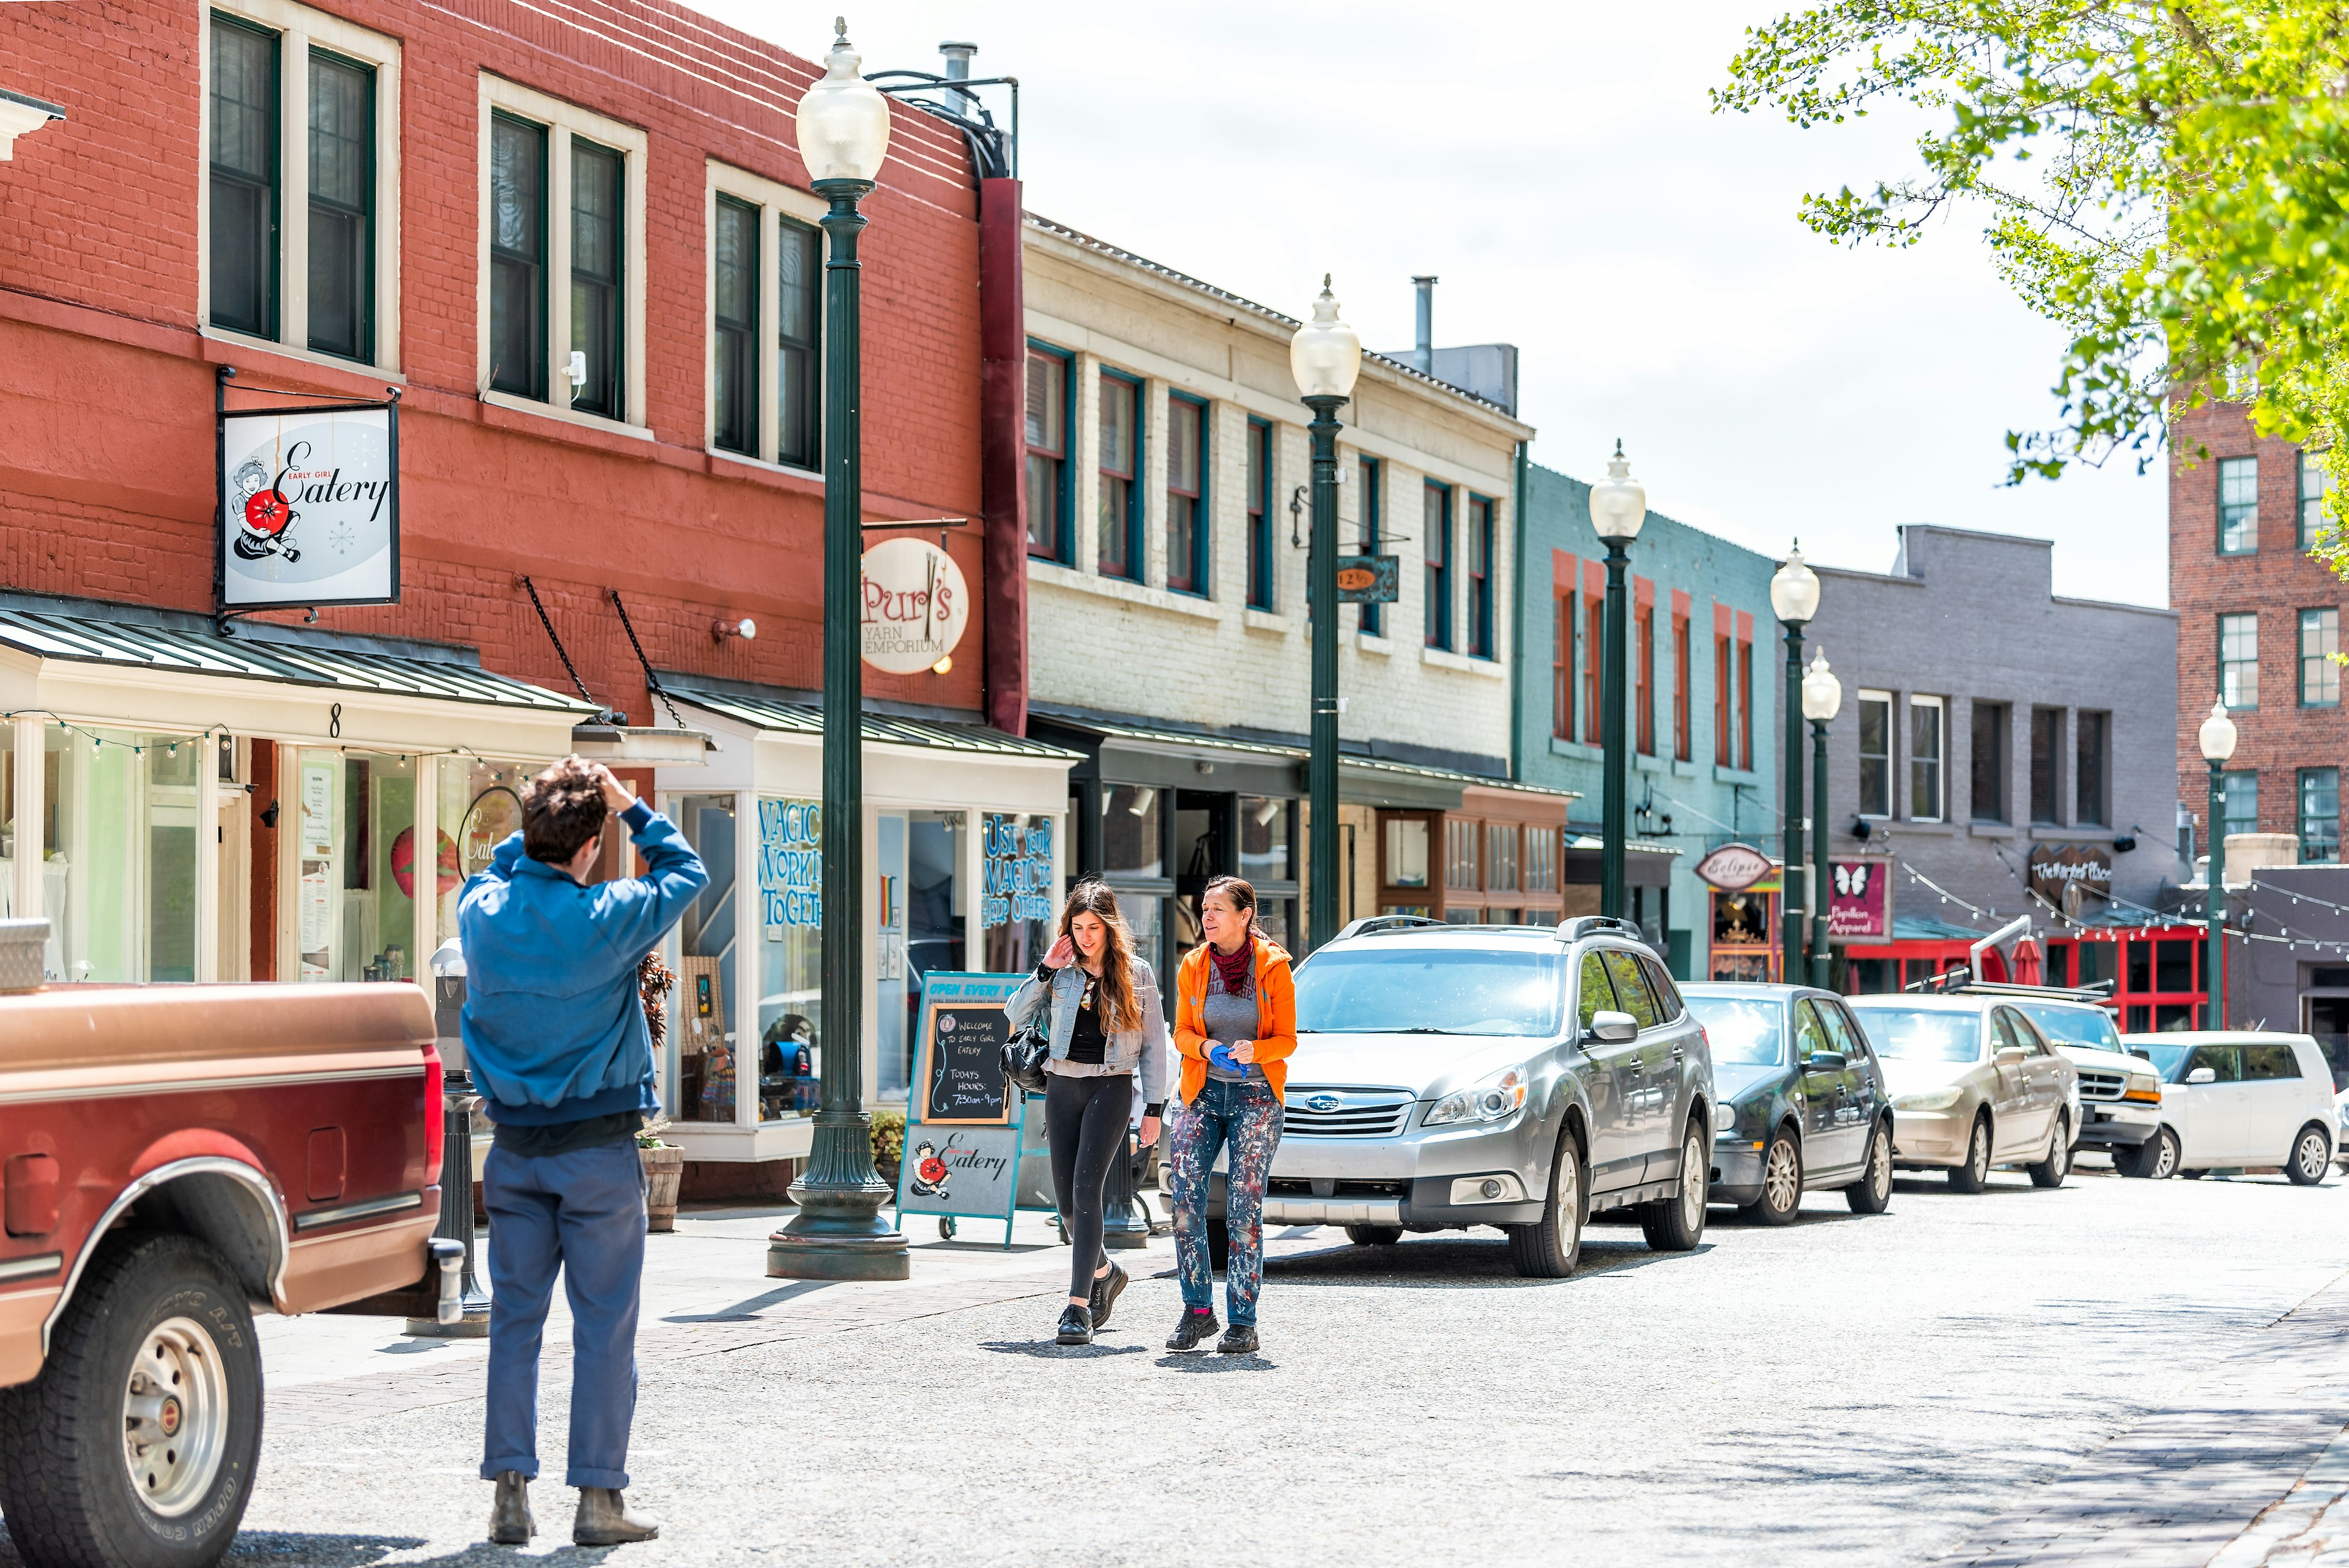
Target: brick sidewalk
(2240,1474)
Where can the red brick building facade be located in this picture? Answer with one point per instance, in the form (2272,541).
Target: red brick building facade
(2257,620)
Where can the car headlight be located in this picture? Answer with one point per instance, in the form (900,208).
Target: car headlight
(1725,1118)
(2144,1088)
(1930,1100)
(1499,1095)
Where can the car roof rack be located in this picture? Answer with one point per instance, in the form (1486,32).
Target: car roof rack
(1370,925)
(1960,981)
(1581,926)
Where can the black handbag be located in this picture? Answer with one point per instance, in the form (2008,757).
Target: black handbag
(1025,1053)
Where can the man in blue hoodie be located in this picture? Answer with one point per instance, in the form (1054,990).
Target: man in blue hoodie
(554,1033)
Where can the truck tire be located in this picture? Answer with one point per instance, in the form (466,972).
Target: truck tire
(157,1342)
(2311,1156)
(1549,1249)
(1373,1235)
(1676,1224)
(1782,1183)
(2050,1171)
(1872,1193)
(1974,1175)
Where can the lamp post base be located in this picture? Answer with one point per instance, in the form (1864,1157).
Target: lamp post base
(1121,1229)
(883,1257)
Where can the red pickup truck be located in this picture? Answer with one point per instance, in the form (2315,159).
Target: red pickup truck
(172,1157)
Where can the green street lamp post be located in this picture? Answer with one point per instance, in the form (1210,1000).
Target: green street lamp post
(1619,505)
(838,1234)
(1326,357)
(1794,600)
(1822,700)
(2218,738)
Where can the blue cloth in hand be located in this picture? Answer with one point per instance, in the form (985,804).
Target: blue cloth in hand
(1221,1055)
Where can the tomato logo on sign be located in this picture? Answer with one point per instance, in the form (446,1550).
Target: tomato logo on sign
(268,511)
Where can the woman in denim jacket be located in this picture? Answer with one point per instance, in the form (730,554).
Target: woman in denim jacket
(1107,1031)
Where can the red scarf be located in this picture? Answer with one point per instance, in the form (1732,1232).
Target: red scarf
(1235,966)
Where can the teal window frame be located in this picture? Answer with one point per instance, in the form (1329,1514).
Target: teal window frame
(2319,800)
(1260,483)
(2238,801)
(2320,675)
(1137,562)
(2238,505)
(1373,477)
(2315,481)
(1200,567)
(1483,569)
(1064,550)
(1436,544)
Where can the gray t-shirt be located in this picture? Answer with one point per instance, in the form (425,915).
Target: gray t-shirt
(1227,1020)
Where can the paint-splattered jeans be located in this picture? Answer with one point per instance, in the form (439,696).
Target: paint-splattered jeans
(1246,1118)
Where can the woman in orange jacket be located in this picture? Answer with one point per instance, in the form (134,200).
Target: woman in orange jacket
(1235,1029)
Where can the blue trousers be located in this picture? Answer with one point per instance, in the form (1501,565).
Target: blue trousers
(1243,1118)
(583,1212)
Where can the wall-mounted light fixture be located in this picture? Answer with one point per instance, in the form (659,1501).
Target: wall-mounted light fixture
(746,628)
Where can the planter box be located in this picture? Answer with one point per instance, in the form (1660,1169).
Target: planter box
(663,1166)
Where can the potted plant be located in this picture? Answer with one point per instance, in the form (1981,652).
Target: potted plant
(888,1144)
(664,1166)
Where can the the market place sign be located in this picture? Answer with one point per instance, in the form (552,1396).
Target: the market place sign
(914,607)
(2054,868)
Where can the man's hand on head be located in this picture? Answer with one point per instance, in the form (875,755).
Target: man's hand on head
(615,793)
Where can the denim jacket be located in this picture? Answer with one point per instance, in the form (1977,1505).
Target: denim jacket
(1142,1052)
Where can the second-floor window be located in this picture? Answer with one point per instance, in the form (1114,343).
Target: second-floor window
(1120,466)
(2239,660)
(1594,649)
(1926,731)
(2315,482)
(799,357)
(563,248)
(2046,763)
(734,326)
(1435,527)
(1989,769)
(2238,801)
(2320,642)
(1186,513)
(1048,509)
(1259,514)
(2092,738)
(766,364)
(293,252)
(1681,746)
(2319,816)
(1480,578)
(1876,754)
(1744,702)
(1723,685)
(1561,664)
(2238,505)
(1643,679)
(1373,500)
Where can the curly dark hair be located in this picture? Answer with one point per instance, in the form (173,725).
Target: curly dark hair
(562,809)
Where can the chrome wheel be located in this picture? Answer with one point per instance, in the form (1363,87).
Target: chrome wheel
(1566,1220)
(1782,1179)
(1694,1172)
(1879,1166)
(2164,1159)
(2310,1156)
(174,1417)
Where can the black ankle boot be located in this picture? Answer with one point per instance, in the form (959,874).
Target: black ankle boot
(1106,1293)
(1076,1326)
(1197,1323)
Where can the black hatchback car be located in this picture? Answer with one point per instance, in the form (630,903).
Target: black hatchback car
(1802,1105)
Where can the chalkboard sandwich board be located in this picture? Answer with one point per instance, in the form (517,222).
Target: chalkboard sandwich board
(958,1075)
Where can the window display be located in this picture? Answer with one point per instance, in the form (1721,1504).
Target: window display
(353,911)
(790,1015)
(119,853)
(705,970)
(478,804)
(1016,920)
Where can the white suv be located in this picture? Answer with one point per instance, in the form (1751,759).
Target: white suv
(2120,1095)
(2231,1099)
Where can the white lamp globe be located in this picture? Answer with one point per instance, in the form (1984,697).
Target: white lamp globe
(1794,589)
(1325,356)
(843,120)
(2217,734)
(1618,504)
(1822,692)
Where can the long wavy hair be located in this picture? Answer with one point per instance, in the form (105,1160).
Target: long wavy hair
(1121,1008)
(1241,896)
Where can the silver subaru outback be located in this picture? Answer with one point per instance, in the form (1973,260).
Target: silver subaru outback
(1522,1076)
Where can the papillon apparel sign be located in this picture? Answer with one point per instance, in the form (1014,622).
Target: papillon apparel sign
(309,504)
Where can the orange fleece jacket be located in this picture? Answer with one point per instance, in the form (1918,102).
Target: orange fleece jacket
(1275,994)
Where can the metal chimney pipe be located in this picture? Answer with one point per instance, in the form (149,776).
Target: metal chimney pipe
(1424,356)
(958,59)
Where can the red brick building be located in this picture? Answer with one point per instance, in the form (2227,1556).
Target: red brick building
(580,246)
(2257,622)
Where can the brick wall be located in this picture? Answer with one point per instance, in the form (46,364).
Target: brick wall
(106,379)
(2275,582)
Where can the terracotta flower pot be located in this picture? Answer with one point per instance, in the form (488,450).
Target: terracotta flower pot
(663,1168)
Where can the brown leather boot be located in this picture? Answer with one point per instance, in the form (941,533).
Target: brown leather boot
(604,1520)
(510,1520)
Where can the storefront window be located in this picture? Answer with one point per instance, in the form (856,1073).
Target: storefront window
(700,1027)
(1129,842)
(353,907)
(119,853)
(920,920)
(1406,852)
(479,806)
(790,956)
(1018,902)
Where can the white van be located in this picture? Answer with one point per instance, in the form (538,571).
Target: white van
(2234,1098)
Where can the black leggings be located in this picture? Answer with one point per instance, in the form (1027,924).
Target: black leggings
(1085,1122)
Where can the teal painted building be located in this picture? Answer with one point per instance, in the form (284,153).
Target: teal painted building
(1704,682)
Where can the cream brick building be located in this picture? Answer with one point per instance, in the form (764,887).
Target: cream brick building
(1169,508)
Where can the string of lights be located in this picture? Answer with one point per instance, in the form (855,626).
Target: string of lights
(2290,941)
(171,743)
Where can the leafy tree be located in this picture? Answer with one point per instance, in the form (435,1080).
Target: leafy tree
(2170,182)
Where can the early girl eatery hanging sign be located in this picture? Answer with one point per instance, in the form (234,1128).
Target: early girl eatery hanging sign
(309,504)
(916,607)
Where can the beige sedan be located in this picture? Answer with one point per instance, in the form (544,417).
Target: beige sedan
(1975,1085)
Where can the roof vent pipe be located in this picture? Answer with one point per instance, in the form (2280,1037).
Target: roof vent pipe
(1422,357)
(958,59)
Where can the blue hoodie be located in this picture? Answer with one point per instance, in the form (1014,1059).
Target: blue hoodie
(553,1029)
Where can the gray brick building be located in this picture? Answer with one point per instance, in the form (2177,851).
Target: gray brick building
(1994,737)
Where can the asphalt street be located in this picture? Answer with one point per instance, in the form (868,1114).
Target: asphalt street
(1843,1390)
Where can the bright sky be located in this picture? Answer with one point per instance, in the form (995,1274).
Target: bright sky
(1558,168)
